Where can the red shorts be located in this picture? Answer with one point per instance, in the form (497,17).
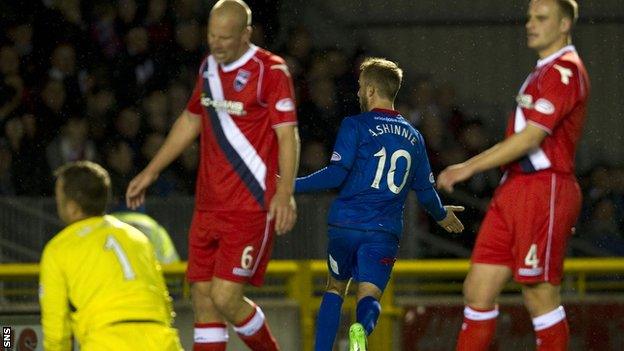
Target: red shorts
(229,245)
(528,224)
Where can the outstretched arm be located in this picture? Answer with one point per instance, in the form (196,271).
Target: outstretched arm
(500,154)
(329,177)
(184,131)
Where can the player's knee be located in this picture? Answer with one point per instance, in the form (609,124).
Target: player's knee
(336,287)
(478,298)
(540,298)
(200,289)
(221,300)
(225,299)
(368,289)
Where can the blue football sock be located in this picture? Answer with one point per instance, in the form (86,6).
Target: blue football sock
(327,321)
(367,313)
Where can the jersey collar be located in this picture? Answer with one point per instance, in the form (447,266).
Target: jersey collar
(241,60)
(548,59)
(386,111)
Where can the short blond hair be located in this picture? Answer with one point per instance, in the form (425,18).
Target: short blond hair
(569,9)
(384,74)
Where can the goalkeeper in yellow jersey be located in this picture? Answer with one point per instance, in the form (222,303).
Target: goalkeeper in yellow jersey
(100,280)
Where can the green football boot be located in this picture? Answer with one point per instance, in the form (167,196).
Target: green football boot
(357,338)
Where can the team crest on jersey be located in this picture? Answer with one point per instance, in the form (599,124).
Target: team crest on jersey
(524,100)
(242,77)
(541,105)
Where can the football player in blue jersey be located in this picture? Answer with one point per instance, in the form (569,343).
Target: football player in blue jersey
(377,159)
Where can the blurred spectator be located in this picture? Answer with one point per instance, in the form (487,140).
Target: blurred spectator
(158,24)
(120,164)
(314,156)
(187,172)
(104,30)
(474,139)
(21,37)
(167,181)
(7,188)
(345,82)
(602,229)
(177,95)
(11,83)
(449,110)
(128,127)
(320,116)
(126,16)
(158,236)
(156,112)
(51,110)
(422,102)
(299,46)
(187,10)
(188,50)
(72,144)
(63,69)
(101,110)
(9,61)
(30,171)
(617,175)
(136,71)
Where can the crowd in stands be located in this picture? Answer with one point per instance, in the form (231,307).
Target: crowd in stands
(104,80)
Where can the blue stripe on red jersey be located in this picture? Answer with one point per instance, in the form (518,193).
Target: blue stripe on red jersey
(230,153)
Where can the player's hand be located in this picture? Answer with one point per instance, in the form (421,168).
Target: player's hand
(452,175)
(283,210)
(451,223)
(135,194)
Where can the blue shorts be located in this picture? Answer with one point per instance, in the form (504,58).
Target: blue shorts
(365,256)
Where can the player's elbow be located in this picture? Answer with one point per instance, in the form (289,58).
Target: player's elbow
(287,134)
(533,137)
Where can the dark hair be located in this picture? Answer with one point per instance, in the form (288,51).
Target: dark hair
(569,9)
(384,74)
(87,184)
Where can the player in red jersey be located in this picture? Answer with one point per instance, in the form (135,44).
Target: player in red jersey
(527,226)
(243,109)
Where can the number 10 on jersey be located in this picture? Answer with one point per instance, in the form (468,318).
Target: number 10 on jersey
(393,165)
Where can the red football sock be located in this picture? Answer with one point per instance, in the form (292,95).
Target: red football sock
(551,331)
(210,337)
(255,332)
(477,330)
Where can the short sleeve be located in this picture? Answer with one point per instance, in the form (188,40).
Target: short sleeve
(556,96)
(346,145)
(279,93)
(423,177)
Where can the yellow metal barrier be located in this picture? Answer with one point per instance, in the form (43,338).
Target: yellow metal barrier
(300,277)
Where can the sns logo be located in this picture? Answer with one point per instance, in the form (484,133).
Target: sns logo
(7,338)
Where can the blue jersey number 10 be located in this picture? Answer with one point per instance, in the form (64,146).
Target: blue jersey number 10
(393,165)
